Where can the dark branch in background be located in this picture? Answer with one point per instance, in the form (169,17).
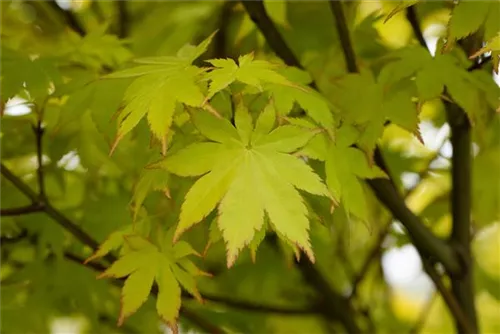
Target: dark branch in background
(411,16)
(123,18)
(345,39)
(332,304)
(38,130)
(23,210)
(377,248)
(424,240)
(220,39)
(448,297)
(258,14)
(58,217)
(68,17)
(463,288)
(462,304)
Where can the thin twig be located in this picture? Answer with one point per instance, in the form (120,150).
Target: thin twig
(345,39)
(38,130)
(123,18)
(58,217)
(448,297)
(23,210)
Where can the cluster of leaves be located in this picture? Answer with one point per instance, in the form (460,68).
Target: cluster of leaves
(247,147)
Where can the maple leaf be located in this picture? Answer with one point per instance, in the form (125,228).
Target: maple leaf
(467,17)
(345,168)
(249,71)
(435,74)
(313,103)
(143,264)
(160,83)
(247,170)
(376,107)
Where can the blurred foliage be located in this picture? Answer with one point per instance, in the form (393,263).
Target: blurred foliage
(52,60)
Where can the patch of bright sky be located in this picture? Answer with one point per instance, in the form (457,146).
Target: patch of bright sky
(17,106)
(67,325)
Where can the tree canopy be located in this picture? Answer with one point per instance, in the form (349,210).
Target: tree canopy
(253,166)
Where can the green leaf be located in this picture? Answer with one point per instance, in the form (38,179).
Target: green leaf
(286,139)
(203,196)
(244,122)
(249,71)
(216,129)
(241,211)
(168,302)
(144,263)
(156,95)
(135,291)
(253,179)
(193,160)
(466,18)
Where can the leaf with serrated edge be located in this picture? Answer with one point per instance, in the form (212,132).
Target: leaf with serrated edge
(204,195)
(295,171)
(266,120)
(136,290)
(241,211)
(168,302)
(243,121)
(288,217)
(286,139)
(193,160)
(187,281)
(182,249)
(216,129)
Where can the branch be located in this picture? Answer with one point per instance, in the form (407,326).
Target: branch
(424,240)
(463,288)
(258,307)
(345,39)
(463,307)
(58,217)
(23,210)
(123,18)
(377,249)
(448,298)
(331,304)
(38,130)
(273,37)
(68,17)
(411,16)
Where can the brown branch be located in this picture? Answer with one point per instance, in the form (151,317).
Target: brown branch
(69,18)
(377,249)
(463,287)
(423,239)
(58,217)
(123,18)
(448,297)
(462,302)
(273,37)
(23,210)
(38,130)
(345,39)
